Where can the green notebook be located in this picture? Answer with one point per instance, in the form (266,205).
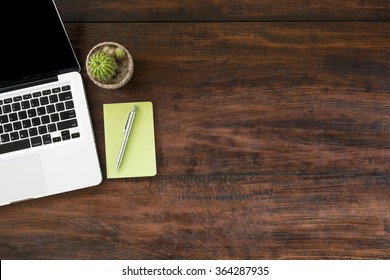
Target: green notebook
(139,159)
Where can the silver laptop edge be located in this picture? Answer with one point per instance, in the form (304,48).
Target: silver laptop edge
(68,162)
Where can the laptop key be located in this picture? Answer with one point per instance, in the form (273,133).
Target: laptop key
(17,125)
(7,127)
(53,98)
(50,109)
(26,123)
(76,135)
(44,100)
(36,121)
(4,138)
(46,139)
(68,114)
(60,107)
(16,107)
(45,119)
(67,124)
(34,102)
(69,104)
(25,105)
(13,117)
(4,119)
(54,117)
(6,109)
(32,113)
(33,131)
(22,115)
(42,129)
(36,141)
(65,135)
(51,127)
(65,95)
(41,111)
(23,134)
(14,136)
(14,146)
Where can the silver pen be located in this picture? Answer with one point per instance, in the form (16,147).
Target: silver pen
(129,124)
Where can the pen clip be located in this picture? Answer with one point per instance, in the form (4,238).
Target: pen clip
(129,117)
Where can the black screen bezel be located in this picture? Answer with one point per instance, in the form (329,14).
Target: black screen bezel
(18,29)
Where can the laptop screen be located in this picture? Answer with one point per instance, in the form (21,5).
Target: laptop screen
(33,42)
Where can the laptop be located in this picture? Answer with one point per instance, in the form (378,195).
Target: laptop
(47,144)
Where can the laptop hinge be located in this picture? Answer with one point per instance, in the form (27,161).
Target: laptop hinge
(29,84)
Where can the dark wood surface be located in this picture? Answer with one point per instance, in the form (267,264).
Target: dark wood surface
(272,123)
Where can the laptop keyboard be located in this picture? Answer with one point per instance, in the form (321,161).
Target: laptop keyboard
(37,119)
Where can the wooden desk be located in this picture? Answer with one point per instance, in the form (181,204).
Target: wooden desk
(272,123)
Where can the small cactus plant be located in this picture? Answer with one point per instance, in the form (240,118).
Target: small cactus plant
(102,66)
(109,65)
(119,54)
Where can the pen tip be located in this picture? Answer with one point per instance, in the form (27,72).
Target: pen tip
(134,108)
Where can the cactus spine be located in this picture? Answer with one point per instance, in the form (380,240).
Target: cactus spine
(102,66)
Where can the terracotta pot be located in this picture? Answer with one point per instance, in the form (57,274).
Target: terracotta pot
(125,71)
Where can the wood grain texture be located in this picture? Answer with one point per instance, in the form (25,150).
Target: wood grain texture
(205,217)
(222,10)
(272,142)
(258,98)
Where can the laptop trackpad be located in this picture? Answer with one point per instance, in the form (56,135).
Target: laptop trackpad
(21,178)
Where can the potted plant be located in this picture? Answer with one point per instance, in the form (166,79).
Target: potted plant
(109,65)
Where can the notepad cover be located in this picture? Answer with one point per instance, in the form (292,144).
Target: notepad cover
(139,159)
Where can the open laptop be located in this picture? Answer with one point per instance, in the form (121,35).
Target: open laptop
(46,140)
